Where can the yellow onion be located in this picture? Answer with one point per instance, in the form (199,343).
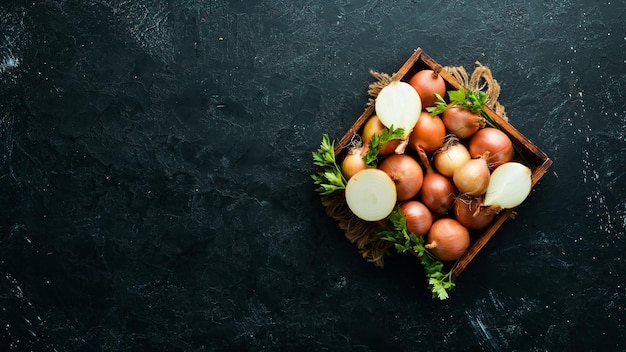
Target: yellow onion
(447,239)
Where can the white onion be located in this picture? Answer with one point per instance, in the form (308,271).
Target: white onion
(509,185)
(398,105)
(371,194)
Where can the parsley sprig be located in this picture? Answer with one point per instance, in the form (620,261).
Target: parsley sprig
(439,282)
(378,141)
(464,99)
(328,178)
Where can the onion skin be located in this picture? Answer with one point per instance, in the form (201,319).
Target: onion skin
(437,192)
(374,126)
(494,141)
(353,162)
(450,156)
(463,123)
(429,133)
(405,172)
(473,176)
(470,212)
(447,239)
(418,217)
(427,83)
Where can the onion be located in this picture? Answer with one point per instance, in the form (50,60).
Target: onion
(473,176)
(427,83)
(405,172)
(509,185)
(450,155)
(399,106)
(463,123)
(353,162)
(418,217)
(429,133)
(447,239)
(372,127)
(371,194)
(437,191)
(471,213)
(496,142)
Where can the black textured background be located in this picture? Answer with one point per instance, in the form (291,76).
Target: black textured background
(155,188)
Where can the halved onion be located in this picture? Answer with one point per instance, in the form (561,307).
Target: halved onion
(398,105)
(509,185)
(371,194)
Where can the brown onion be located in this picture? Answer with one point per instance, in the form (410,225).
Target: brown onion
(418,217)
(405,172)
(450,155)
(471,213)
(496,142)
(429,133)
(447,239)
(437,191)
(427,83)
(463,123)
(473,176)
(374,126)
(353,162)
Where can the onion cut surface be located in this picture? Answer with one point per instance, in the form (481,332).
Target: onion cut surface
(371,194)
(509,185)
(398,105)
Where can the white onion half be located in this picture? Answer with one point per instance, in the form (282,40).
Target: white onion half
(371,194)
(509,185)
(399,105)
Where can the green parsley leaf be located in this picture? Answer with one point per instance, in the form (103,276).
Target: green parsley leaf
(438,281)
(378,141)
(328,178)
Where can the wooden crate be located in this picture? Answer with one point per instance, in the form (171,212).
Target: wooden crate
(538,161)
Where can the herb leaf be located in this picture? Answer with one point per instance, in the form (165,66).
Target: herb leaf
(329,177)
(378,141)
(464,99)
(439,282)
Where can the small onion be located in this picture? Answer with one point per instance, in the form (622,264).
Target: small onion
(427,83)
(494,141)
(437,191)
(447,239)
(471,213)
(509,185)
(418,217)
(405,172)
(450,155)
(463,123)
(399,106)
(473,176)
(372,127)
(429,133)
(353,162)
(371,194)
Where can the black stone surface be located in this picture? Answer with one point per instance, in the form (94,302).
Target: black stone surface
(155,186)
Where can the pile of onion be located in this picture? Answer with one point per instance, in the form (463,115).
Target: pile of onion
(455,177)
